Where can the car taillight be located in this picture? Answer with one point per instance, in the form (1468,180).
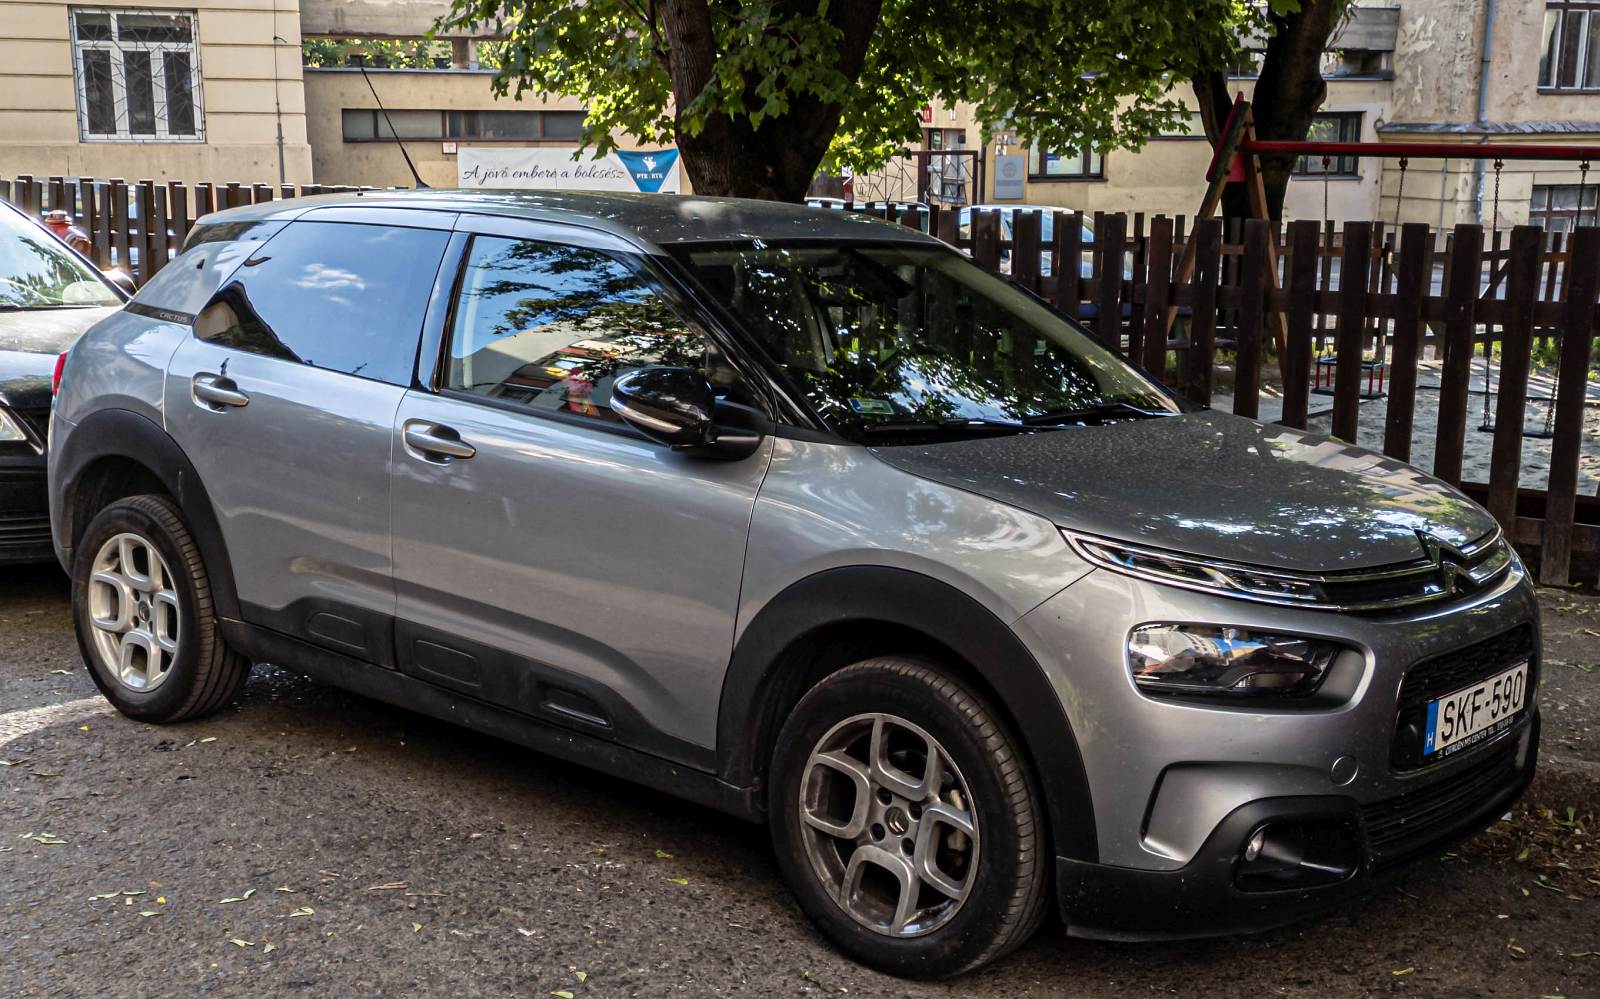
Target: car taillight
(55,379)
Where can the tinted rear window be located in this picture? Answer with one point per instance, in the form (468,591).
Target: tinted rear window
(333,295)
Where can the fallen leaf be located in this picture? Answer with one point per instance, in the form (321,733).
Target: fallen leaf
(62,672)
(1522,855)
(663,855)
(161,900)
(83,728)
(1402,971)
(583,976)
(679,881)
(13,763)
(562,994)
(269,948)
(240,943)
(284,888)
(416,927)
(526,933)
(247,893)
(149,912)
(209,738)
(304,910)
(390,886)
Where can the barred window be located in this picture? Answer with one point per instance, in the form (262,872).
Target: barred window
(138,75)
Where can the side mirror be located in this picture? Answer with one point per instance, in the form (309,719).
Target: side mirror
(122,279)
(678,407)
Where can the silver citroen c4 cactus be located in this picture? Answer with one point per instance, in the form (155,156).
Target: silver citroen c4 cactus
(804,517)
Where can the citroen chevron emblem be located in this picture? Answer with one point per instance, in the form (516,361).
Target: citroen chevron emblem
(1447,558)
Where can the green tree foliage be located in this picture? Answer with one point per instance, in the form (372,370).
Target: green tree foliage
(757,94)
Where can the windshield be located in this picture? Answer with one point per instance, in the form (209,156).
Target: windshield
(36,272)
(880,336)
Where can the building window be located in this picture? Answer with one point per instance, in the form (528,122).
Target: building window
(1569,56)
(1190,126)
(1073,164)
(1561,207)
(138,75)
(365,125)
(1342,126)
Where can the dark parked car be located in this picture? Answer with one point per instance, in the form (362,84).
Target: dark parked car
(49,294)
(803,516)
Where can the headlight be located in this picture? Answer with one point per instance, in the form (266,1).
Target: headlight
(1198,660)
(9,430)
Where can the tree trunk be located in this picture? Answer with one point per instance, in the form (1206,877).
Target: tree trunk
(1287,95)
(728,157)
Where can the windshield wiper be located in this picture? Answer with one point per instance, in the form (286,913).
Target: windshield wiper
(952,427)
(1100,411)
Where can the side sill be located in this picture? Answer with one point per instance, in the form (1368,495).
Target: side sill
(412,694)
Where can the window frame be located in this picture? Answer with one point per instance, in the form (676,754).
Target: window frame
(655,271)
(116,49)
(1550,55)
(1336,169)
(1088,155)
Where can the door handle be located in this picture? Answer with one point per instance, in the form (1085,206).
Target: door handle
(218,392)
(436,443)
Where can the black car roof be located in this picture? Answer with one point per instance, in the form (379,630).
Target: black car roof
(648,219)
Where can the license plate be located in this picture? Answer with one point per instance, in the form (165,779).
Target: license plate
(1472,714)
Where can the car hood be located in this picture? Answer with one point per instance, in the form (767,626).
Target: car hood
(30,341)
(1213,485)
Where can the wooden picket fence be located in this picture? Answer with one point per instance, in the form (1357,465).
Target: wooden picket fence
(1280,309)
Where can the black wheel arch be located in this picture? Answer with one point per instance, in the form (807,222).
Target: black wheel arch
(114,453)
(839,616)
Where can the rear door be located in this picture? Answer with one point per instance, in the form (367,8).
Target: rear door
(284,400)
(547,556)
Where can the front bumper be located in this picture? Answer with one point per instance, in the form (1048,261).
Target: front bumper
(24,511)
(1177,787)
(1204,897)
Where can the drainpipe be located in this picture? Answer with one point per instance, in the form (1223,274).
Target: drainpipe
(1483,97)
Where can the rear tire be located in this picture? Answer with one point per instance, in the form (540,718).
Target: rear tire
(146,624)
(970,842)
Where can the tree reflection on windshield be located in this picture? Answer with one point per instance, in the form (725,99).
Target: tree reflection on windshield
(883,335)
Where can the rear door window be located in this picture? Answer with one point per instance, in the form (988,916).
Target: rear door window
(337,295)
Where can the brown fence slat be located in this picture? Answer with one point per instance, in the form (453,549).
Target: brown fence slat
(143,194)
(946,225)
(156,237)
(1516,340)
(1025,247)
(986,238)
(119,224)
(1136,290)
(1577,336)
(205,200)
(1158,265)
(1460,325)
(1350,334)
(1247,335)
(1198,360)
(1303,238)
(178,213)
(1109,234)
(232,196)
(1416,268)
(1066,261)
(261,193)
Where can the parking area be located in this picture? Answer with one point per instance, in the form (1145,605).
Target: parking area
(306,839)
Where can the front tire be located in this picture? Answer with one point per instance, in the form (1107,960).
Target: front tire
(906,821)
(142,608)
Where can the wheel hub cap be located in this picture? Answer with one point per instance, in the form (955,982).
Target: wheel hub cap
(133,612)
(888,825)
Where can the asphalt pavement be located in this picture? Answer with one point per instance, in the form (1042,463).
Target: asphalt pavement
(307,841)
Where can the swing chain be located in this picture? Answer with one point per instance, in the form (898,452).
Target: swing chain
(1583,183)
(1400,192)
(1326,160)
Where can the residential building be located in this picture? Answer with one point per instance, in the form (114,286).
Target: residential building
(184,90)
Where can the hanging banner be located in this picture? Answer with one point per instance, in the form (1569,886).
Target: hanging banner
(554,169)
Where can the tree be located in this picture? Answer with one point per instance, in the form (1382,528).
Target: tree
(758,94)
(1289,90)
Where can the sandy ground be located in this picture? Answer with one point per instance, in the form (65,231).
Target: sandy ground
(309,842)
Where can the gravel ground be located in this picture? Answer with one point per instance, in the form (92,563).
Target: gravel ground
(309,841)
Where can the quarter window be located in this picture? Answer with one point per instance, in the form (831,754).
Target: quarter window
(332,295)
(551,327)
(138,75)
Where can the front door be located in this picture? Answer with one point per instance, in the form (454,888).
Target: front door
(547,557)
(285,400)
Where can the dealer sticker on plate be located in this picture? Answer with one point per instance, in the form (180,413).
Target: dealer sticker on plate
(1474,713)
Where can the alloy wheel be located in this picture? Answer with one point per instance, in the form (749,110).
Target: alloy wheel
(134,611)
(889,825)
